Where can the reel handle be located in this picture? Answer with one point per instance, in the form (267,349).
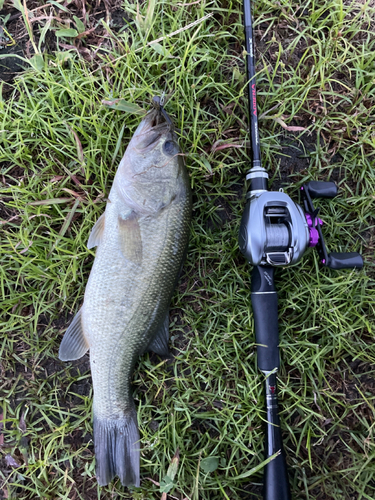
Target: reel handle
(321,189)
(333,260)
(348,260)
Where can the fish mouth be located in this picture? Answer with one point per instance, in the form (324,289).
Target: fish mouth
(158,117)
(157,124)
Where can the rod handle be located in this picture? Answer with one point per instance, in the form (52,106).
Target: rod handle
(264,303)
(276,483)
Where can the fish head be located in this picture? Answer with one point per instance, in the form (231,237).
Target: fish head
(150,173)
(154,140)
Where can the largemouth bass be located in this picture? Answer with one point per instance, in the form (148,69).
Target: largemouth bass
(141,240)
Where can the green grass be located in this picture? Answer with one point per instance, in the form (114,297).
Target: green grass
(316,69)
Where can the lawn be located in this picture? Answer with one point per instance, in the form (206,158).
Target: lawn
(59,150)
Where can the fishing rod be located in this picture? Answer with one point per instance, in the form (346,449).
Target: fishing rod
(275,232)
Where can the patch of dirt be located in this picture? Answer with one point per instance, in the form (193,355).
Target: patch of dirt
(18,42)
(12,44)
(224,210)
(11,65)
(294,159)
(7,214)
(14,175)
(348,383)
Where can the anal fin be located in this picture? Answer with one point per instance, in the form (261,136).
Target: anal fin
(159,343)
(74,344)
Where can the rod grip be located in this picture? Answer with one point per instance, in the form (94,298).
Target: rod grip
(276,483)
(264,302)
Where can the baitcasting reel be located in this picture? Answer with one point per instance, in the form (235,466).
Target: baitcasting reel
(275,231)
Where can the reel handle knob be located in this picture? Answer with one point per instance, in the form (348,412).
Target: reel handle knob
(321,189)
(348,260)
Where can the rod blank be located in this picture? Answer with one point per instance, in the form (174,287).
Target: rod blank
(250,60)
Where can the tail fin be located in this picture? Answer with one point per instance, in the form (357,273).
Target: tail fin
(117,450)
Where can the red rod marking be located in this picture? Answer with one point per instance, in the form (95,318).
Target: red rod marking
(254,99)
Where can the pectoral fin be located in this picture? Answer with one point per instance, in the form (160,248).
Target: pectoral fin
(159,343)
(96,232)
(130,238)
(74,344)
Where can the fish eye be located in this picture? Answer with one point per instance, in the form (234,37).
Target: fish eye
(170,148)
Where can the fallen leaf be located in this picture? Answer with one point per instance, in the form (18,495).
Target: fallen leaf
(50,201)
(290,128)
(22,425)
(67,33)
(79,148)
(12,462)
(57,178)
(26,249)
(209,464)
(73,193)
(167,483)
(217,146)
(122,105)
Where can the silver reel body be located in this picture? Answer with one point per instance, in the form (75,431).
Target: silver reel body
(274,230)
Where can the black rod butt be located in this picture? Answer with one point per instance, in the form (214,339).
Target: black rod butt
(276,484)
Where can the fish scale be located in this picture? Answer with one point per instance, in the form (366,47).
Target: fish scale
(141,239)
